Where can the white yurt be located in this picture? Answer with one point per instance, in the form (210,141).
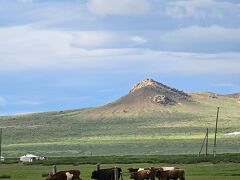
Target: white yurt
(29,158)
(2,158)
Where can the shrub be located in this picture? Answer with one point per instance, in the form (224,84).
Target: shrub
(4,176)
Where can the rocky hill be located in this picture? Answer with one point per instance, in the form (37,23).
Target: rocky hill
(151,119)
(147,95)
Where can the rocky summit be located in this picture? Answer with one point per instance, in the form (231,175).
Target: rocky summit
(161,94)
(144,83)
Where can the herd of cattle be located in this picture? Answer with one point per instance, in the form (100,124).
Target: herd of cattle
(162,173)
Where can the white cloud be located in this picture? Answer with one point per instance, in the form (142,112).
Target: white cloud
(24,48)
(138,40)
(205,39)
(201,9)
(192,63)
(118,7)
(44,13)
(3,101)
(93,39)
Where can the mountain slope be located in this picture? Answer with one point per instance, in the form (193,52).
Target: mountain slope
(151,119)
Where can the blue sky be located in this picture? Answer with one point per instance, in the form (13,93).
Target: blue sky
(67,54)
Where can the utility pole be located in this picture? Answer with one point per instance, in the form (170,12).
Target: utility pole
(0,145)
(215,138)
(207,143)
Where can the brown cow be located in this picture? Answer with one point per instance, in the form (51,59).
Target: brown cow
(137,169)
(131,170)
(169,168)
(65,175)
(143,174)
(170,174)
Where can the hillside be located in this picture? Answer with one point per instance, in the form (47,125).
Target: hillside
(151,119)
(146,96)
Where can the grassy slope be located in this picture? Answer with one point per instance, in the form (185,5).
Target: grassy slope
(165,130)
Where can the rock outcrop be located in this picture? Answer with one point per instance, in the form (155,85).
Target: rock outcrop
(160,93)
(162,99)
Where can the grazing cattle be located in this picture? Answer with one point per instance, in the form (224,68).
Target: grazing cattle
(106,174)
(169,168)
(170,174)
(148,174)
(140,169)
(133,170)
(137,169)
(65,175)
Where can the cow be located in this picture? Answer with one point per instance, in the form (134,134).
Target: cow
(65,175)
(141,174)
(170,174)
(106,174)
(169,168)
(131,170)
(137,169)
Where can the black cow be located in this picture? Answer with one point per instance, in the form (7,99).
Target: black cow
(106,174)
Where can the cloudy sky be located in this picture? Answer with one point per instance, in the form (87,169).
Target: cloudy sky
(66,54)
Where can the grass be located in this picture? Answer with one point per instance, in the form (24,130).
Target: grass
(229,171)
(130,159)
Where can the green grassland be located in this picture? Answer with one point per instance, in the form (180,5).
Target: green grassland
(229,171)
(177,129)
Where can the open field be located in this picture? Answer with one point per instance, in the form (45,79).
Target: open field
(128,159)
(229,171)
